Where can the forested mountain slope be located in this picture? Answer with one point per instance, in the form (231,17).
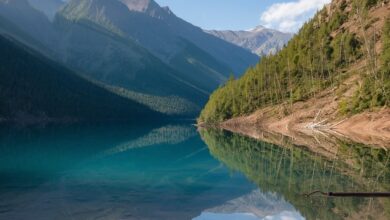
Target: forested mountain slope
(342,54)
(35,89)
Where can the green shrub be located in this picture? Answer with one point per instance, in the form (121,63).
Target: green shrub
(371,3)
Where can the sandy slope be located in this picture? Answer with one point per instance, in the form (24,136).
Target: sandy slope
(317,115)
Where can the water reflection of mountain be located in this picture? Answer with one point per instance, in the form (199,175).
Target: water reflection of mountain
(257,205)
(170,134)
(54,149)
(291,171)
(58,148)
(166,173)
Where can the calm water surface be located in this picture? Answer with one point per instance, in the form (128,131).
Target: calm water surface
(175,172)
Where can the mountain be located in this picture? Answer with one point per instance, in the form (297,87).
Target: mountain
(119,63)
(335,67)
(228,54)
(162,33)
(28,19)
(134,48)
(48,7)
(34,88)
(148,7)
(260,40)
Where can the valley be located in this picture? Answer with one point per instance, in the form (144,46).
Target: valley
(200,110)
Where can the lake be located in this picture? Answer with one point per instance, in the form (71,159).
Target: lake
(175,171)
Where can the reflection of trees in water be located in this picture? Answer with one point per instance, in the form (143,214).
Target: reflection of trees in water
(291,171)
(171,134)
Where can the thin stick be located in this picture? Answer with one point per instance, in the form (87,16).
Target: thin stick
(350,194)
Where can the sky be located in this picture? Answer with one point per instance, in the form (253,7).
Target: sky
(283,15)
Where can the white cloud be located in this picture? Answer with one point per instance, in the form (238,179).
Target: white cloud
(290,16)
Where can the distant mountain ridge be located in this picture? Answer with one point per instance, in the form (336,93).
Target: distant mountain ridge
(259,40)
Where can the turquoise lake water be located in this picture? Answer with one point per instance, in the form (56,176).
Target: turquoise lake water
(176,172)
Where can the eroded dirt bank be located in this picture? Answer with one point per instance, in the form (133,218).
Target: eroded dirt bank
(316,117)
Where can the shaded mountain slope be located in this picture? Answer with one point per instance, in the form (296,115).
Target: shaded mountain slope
(106,56)
(33,88)
(10,29)
(228,54)
(158,30)
(48,7)
(29,20)
(150,33)
(117,61)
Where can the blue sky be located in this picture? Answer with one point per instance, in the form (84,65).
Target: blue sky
(284,15)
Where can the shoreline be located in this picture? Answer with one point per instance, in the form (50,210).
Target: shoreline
(311,119)
(370,128)
(325,142)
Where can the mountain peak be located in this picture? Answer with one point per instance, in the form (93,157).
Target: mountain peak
(258,28)
(148,7)
(259,40)
(167,9)
(140,5)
